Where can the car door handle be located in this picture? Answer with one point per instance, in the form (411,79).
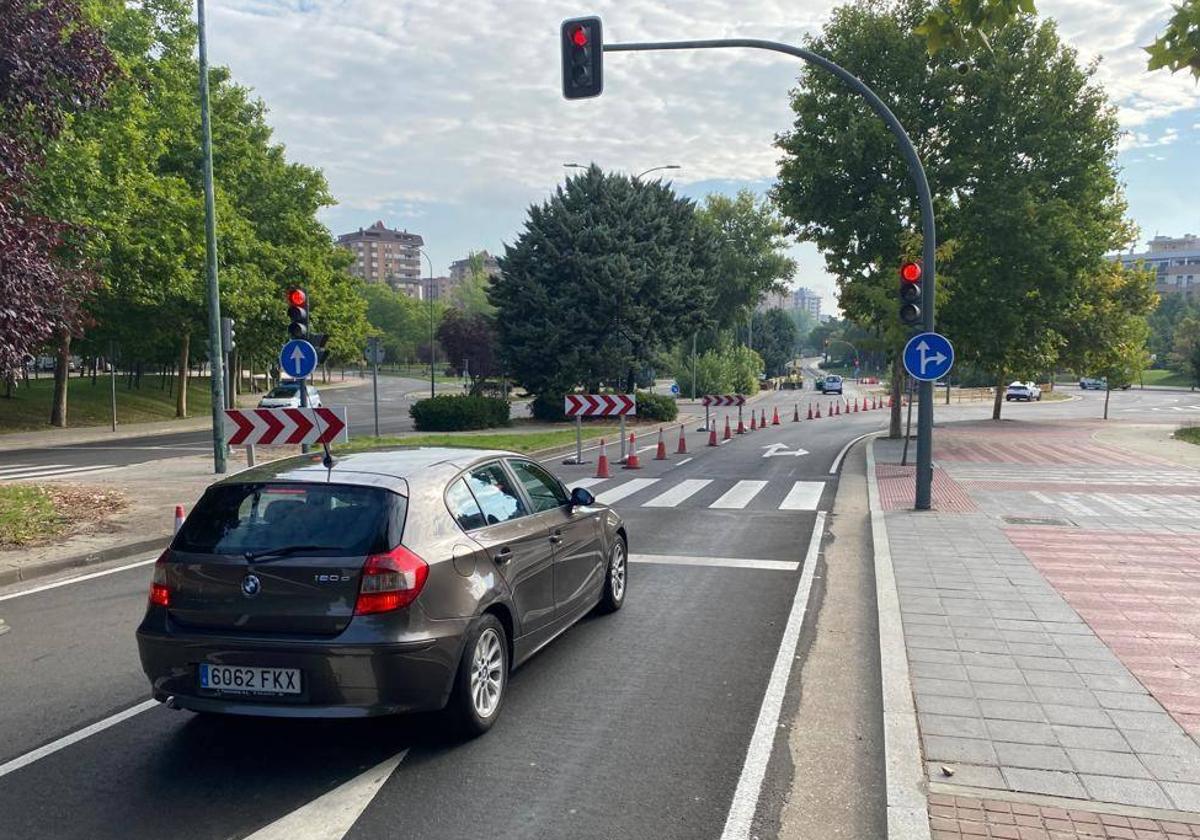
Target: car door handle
(504,555)
(556,538)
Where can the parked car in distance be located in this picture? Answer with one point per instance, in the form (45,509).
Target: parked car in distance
(394,581)
(831,384)
(1101,384)
(1027,391)
(287,395)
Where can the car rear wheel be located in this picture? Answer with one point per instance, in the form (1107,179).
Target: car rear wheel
(617,578)
(482,678)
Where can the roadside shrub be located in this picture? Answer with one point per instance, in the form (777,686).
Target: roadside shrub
(450,413)
(656,407)
(548,408)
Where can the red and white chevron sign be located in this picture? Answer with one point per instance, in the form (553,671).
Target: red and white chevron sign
(734,399)
(266,426)
(600,405)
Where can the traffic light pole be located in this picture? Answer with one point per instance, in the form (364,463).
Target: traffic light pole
(924,495)
(217,372)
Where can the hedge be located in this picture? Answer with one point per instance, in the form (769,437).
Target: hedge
(656,407)
(452,413)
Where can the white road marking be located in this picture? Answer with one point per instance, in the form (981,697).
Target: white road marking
(585,482)
(80,578)
(74,738)
(739,495)
(619,492)
(24,468)
(721,562)
(758,755)
(837,461)
(684,461)
(47,473)
(679,493)
(331,816)
(804,495)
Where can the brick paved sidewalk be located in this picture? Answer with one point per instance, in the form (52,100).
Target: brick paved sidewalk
(1051,611)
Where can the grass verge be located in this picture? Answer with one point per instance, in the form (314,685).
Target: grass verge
(516,441)
(1166,377)
(89,405)
(1188,434)
(31,514)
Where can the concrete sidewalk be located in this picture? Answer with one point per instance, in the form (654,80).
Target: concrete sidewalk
(1051,619)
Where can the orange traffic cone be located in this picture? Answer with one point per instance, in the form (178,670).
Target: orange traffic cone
(602,462)
(631,460)
(660,454)
(178,518)
(856,405)
(818,414)
(796,415)
(741,429)
(837,408)
(681,449)
(753,421)
(763,423)
(712,433)
(810,414)
(728,434)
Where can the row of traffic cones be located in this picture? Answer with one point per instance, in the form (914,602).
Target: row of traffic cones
(632,461)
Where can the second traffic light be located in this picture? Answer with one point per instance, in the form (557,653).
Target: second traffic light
(297,313)
(582,58)
(910,294)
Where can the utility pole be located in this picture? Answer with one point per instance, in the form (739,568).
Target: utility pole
(216,372)
(429,262)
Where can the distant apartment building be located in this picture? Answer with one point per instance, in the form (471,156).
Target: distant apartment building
(774,300)
(459,269)
(1174,260)
(383,255)
(808,300)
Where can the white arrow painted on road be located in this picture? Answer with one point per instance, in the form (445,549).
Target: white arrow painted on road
(774,449)
(330,817)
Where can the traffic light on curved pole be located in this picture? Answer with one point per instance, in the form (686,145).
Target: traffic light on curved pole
(910,294)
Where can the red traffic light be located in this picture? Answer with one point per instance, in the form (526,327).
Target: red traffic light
(910,272)
(579,37)
(296,297)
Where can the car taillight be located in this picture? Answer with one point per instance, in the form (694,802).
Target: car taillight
(390,581)
(160,593)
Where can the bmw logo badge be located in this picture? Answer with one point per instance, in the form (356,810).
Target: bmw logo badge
(251,585)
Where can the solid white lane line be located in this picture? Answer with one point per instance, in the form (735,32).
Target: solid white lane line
(684,461)
(74,738)
(585,482)
(80,578)
(837,462)
(53,473)
(738,496)
(332,815)
(679,493)
(619,492)
(804,495)
(758,755)
(721,562)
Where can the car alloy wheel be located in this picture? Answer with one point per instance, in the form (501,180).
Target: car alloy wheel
(618,569)
(487,673)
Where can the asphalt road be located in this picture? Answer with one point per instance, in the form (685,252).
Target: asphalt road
(636,725)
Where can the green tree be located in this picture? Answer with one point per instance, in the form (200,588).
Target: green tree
(400,322)
(1186,356)
(606,274)
(470,344)
(1164,320)
(471,295)
(1178,48)
(749,238)
(774,340)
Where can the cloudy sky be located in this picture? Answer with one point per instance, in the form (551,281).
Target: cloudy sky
(447,118)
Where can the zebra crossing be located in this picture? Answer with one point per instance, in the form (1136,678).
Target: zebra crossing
(20,472)
(709,493)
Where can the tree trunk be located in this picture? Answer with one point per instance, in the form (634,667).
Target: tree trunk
(999,398)
(1107,394)
(181,394)
(897,391)
(62,370)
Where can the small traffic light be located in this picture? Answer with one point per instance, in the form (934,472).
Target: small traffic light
(582,58)
(319,340)
(910,294)
(297,313)
(228,342)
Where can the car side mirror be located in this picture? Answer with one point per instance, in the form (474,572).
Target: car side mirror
(580,497)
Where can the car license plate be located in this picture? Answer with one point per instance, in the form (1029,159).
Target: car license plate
(244,679)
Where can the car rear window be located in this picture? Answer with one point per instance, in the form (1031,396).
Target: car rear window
(283,391)
(345,520)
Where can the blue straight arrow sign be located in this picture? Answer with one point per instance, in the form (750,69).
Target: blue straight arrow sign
(298,359)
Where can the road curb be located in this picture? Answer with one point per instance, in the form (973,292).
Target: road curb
(907,804)
(91,558)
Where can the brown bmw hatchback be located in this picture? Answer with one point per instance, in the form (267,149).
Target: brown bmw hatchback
(394,581)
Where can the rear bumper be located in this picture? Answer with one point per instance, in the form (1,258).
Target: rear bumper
(338,678)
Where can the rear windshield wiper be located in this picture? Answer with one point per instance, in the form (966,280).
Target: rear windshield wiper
(286,551)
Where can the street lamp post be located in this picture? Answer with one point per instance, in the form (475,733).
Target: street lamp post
(637,177)
(429,262)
